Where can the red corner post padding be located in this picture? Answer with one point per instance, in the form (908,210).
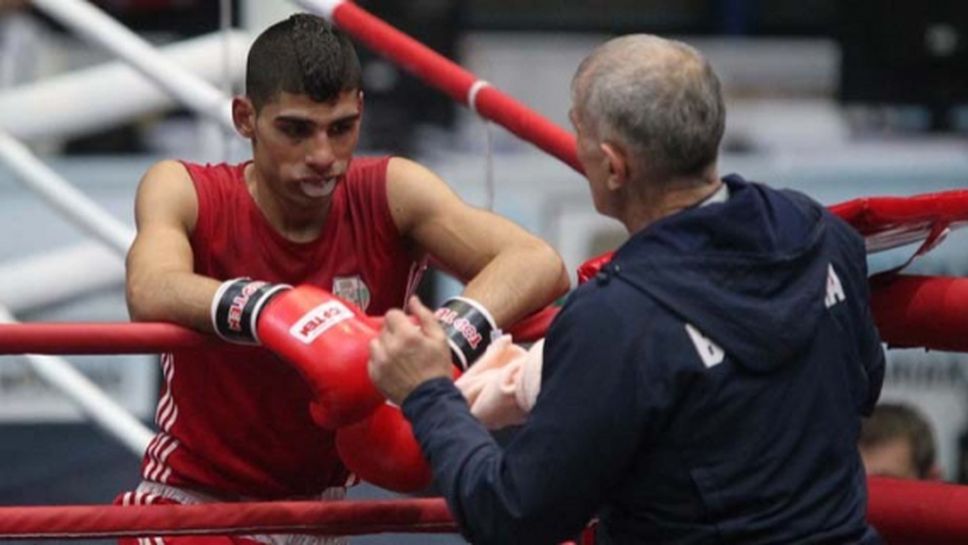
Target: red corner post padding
(918,512)
(870,215)
(926,311)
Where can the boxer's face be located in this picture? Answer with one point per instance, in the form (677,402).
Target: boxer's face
(302,148)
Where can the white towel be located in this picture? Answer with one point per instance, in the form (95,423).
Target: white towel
(502,385)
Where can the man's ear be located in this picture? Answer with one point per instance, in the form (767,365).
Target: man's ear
(618,164)
(243,116)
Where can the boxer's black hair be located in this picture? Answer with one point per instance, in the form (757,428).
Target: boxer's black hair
(304,55)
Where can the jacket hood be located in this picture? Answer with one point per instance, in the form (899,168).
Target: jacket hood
(747,272)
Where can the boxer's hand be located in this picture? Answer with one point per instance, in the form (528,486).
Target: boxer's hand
(326,339)
(381,450)
(405,354)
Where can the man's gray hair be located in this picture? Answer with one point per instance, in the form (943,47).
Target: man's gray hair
(659,97)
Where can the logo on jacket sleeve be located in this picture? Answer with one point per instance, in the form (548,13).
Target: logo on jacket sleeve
(353,289)
(835,289)
(709,352)
(315,322)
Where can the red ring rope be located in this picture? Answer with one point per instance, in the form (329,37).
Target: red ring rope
(921,311)
(918,512)
(441,73)
(98,338)
(314,517)
(902,511)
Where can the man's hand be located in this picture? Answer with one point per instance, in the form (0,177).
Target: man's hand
(407,354)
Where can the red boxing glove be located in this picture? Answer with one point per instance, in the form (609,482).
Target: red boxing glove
(327,340)
(588,269)
(381,450)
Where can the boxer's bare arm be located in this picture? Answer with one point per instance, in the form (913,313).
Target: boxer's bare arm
(160,283)
(508,270)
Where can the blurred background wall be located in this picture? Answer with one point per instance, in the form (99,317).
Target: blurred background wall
(837,99)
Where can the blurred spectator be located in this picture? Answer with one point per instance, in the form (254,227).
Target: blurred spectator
(10,5)
(898,441)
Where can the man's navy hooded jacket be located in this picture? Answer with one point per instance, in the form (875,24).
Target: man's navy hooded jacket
(706,387)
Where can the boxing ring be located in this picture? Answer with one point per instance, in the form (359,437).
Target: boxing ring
(910,310)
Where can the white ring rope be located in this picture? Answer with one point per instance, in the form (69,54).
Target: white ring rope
(64,197)
(88,397)
(37,280)
(95,25)
(48,108)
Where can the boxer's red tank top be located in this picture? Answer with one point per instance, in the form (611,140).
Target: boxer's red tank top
(234,420)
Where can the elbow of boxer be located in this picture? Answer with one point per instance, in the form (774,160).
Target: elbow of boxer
(139,301)
(563,283)
(146,299)
(135,298)
(557,273)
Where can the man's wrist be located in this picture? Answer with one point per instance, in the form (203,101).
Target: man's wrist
(426,392)
(399,392)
